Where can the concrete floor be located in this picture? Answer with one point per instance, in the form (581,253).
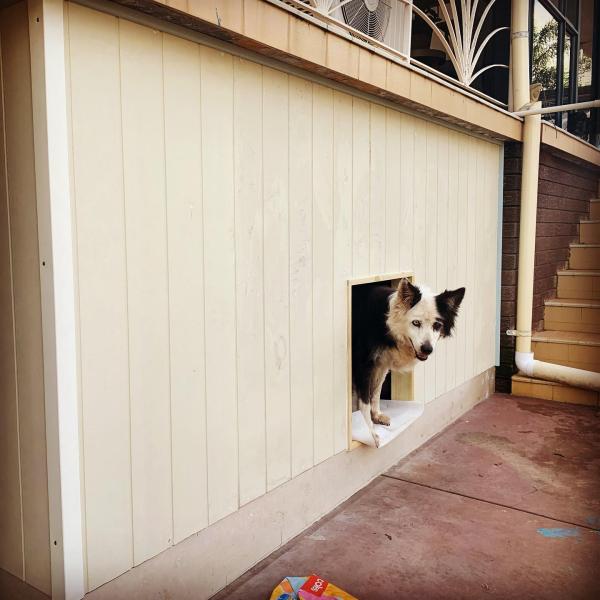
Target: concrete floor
(505,503)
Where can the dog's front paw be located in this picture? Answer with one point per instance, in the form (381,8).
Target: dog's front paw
(376,440)
(381,419)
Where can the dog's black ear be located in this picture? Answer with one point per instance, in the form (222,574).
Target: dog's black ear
(448,303)
(408,294)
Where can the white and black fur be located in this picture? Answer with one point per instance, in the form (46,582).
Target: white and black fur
(392,329)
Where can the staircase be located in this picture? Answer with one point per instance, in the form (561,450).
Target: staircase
(572,320)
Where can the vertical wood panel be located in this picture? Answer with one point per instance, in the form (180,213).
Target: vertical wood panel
(219,281)
(471,218)
(491,234)
(277,316)
(249,278)
(377,220)
(183,156)
(407,175)
(429,240)
(102,278)
(11,516)
(360,187)
(301,261)
(452,254)
(441,279)
(481,256)
(148,301)
(342,247)
(461,334)
(417,164)
(394,204)
(20,170)
(323,270)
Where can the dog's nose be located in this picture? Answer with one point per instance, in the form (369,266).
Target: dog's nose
(426,348)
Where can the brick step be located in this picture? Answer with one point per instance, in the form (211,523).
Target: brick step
(584,257)
(571,349)
(578,284)
(595,208)
(547,390)
(572,314)
(589,231)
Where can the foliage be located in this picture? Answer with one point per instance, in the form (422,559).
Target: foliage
(544,59)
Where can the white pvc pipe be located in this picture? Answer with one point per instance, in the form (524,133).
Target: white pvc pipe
(527,365)
(519,48)
(524,358)
(560,108)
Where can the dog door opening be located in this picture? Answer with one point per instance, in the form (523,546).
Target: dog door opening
(392,406)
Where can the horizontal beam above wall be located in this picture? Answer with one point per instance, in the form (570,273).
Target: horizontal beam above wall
(283,41)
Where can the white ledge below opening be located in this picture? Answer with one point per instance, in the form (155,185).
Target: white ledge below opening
(402,413)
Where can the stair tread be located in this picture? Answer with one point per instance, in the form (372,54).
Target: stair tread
(551,390)
(592,221)
(579,245)
(526,379)
(567,337)
(573,302)
(578,272)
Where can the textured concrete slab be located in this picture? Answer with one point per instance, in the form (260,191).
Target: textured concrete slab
(529,454)
(502,504)
(404,541)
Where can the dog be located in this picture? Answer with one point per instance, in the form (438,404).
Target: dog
(392,330)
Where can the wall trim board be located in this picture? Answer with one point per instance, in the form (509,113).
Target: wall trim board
(57,276)
(140,18)
(195,567)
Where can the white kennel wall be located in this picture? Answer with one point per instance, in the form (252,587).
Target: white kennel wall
(220,208)
(24,519)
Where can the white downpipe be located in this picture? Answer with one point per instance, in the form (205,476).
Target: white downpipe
(519,47)
(524,358)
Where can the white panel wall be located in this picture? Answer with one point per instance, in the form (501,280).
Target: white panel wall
(221,207)
(24,524)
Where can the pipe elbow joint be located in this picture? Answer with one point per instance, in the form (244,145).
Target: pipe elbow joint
(524,362)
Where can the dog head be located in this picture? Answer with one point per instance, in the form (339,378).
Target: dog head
(420,318)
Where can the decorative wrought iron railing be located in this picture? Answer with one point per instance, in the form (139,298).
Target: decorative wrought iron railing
(458,33)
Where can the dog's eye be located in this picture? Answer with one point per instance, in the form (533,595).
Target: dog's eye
(437,326)
(417,323)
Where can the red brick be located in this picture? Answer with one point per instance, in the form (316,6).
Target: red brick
(509,277)
(512,197)
(508,293)
(552,243)
(511,214)
(560,228)
(509,261)
(512,182)
(510,230)
(507,308)
(566,204)
(551,256)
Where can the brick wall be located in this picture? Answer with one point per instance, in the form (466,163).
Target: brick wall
(563,198)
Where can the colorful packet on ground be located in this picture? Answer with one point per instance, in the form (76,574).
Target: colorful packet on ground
(308,588)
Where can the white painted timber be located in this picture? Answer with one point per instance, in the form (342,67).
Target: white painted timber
(250,197)
(60,326)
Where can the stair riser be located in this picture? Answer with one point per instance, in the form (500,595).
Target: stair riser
(589,233)
(567,318)
(585,287)
(557,393)
(569,355)
(584,258)
(595,210)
